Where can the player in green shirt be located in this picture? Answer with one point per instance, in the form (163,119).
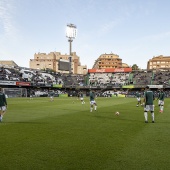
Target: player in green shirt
(158,97)
(92,101)
(149,105)
(81,98)
(161,98)
(3,104)
(51,96)
(138,97)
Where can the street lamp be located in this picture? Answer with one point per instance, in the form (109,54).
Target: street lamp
(71,32)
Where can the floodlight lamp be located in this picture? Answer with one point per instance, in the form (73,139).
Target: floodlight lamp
(71,31)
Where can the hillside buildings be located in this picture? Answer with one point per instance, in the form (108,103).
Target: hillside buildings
(109,61)
(159,62)
(58,62)
(9,63)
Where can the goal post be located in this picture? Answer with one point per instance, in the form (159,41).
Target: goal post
(15,92)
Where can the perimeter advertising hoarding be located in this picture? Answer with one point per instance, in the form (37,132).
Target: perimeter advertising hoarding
(57,85)
(8,83)
(63,95)
(150,86)
(110,70)
(48,85)
(18,83)
(119,95)
(140,86)
(128,87)
(155,86)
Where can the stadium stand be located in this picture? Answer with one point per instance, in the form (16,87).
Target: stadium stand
(161,77)
(142,77)
(116,79)
(104,79)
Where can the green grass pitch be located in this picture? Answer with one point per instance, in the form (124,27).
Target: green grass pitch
(62,135)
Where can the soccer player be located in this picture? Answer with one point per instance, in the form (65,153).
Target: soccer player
(149,106)
(161,98)
(78,95)
(81,98)
(159,102)
(52,96)
(3,104)
(31,95)
(93,103)
(138,97)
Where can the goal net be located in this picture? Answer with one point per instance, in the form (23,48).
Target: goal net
(15,92)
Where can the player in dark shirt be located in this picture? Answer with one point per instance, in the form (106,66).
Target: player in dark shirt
(3,104)
(148,102)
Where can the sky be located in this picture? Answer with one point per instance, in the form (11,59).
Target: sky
(136,30)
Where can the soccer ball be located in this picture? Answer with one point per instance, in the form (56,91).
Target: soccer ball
(117,113)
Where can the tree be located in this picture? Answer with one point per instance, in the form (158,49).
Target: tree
(135,67)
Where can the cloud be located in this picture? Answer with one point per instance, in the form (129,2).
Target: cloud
(105,28)
(6,17)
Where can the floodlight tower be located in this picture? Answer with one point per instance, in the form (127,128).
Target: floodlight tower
(71,32)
